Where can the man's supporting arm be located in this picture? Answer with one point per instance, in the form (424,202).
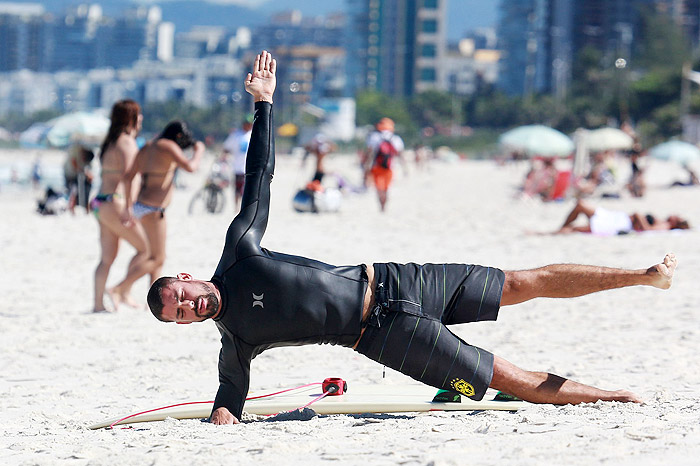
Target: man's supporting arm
(234,377)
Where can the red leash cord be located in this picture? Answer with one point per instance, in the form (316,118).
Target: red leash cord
(330,387)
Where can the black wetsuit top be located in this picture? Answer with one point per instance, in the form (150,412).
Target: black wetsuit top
(270,299)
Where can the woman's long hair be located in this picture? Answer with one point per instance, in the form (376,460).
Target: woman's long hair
(178,131)
(125,116)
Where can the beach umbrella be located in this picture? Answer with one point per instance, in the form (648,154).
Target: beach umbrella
(34,136)
(86,127)
(537,140)
(601,139)
(676,151)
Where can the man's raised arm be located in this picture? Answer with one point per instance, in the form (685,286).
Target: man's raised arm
(246,230)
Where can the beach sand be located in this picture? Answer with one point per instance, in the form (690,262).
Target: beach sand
(64,368)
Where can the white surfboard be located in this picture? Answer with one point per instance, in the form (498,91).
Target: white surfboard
(359,399)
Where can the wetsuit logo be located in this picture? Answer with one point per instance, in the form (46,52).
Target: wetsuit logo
(463,387)
(257,300)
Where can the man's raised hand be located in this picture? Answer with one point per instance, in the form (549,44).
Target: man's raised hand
(262,81)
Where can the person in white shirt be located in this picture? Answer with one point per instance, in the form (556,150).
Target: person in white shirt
(236,147)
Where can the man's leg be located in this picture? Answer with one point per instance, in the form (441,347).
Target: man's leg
(570,280)
(541,387)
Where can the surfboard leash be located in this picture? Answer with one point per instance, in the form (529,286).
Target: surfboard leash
(331,386)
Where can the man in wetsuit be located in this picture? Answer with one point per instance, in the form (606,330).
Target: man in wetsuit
(394,314)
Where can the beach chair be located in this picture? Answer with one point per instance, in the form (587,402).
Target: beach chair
(561,186)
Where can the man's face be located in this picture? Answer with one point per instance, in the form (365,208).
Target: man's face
(187,300)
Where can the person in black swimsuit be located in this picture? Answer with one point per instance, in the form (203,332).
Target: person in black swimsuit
(395,314)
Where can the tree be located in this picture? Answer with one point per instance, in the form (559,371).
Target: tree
(371,106)
(435,109)
(662,44)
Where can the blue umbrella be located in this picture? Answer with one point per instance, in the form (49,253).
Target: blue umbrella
(537,140)
(676,151)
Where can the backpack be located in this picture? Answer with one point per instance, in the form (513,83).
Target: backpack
(385,154)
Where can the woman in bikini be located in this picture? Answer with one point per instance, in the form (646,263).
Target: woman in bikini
(157,162)
(118,153)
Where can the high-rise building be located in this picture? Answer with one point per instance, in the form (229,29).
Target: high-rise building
(394,46)
(540,39)
(133,36)
(524,39)
(292,29)
(686,13)
(607,25)
(77,40)
(22,37)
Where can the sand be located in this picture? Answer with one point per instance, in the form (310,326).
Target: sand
(64,368)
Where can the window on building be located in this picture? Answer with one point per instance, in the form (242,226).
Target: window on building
(428,50)
(427,74)
(432,4)
(430,26)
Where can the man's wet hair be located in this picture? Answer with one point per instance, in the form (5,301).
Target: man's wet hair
(155,298)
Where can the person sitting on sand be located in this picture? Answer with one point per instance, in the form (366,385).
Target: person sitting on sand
(602,174)
(606,222)
(394,314)
(541,178)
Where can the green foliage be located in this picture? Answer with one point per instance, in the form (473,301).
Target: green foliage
(654,89)
(663,123)
(372,106)
(215,121)
(662,43)
(435,108)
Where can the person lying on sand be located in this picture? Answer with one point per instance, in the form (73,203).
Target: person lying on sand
(394,314)
(612,222)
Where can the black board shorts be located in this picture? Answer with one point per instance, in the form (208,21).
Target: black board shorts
(406,329)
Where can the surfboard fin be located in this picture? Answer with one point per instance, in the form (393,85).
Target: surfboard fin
(447,396)
(502,396)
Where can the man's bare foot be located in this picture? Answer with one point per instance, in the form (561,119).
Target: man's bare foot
(662,274)
(625,396)
(102,310)
(115,297)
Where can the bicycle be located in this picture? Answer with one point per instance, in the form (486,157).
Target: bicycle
(211,197)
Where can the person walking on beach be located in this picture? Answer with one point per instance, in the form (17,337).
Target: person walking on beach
(394,314)
(606,222)
(236,146)
(78,176)
(320,146)
(156,162)
(382,147)
(109,205)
